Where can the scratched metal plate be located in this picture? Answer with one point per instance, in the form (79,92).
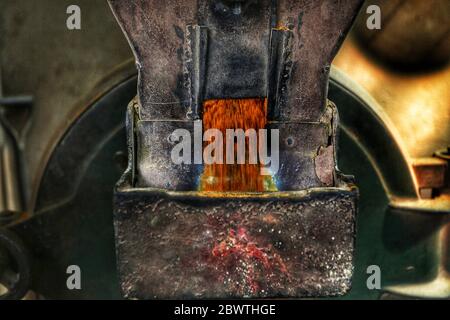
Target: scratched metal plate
(187,245)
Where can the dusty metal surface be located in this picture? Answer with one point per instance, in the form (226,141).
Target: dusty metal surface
(189,245)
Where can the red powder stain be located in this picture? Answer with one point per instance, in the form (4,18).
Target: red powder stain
(239,254)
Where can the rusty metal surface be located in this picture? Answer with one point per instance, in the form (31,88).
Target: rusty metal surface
(319,28)
(189,245)
(190,51)
(235,57)
(155,31)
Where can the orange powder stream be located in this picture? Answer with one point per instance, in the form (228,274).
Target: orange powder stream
(234,114)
